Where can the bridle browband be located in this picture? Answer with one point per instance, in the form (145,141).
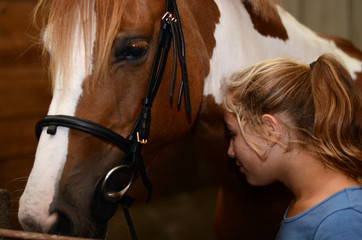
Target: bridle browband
(104,201)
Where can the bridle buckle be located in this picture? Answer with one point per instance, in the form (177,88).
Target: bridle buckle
(169,17)
(143,141)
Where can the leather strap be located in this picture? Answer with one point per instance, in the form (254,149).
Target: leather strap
(53,121)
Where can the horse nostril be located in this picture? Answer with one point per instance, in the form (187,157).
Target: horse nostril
(29,224)
(63,225)
(39,225)
(49,222)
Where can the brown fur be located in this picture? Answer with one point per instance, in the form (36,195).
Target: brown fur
(266,9)
(265,18)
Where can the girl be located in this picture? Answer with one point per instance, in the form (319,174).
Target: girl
(301,125)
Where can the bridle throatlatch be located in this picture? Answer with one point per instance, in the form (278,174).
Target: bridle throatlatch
(111,189)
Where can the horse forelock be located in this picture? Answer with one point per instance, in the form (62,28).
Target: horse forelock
(64,22)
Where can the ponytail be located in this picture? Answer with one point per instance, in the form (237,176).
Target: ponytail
(337,118)
(321,103)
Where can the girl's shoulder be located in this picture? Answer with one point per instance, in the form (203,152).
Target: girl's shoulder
(345,221)
(337,217)
(348,198)
(344,224)
(354,195)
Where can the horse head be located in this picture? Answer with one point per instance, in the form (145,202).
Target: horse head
(101,59)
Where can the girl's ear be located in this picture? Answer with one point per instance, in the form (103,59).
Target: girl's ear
(273,128)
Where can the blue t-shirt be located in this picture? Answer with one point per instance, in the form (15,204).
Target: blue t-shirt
(338,217)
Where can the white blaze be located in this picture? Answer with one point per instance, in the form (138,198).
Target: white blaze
(52,149)
(238,45)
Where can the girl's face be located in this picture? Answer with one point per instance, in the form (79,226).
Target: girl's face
(258,171)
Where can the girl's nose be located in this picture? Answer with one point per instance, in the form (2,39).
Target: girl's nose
(231,152)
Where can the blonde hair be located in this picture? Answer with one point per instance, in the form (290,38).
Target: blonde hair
(322,107)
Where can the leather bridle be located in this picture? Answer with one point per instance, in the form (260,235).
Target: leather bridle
(104,200)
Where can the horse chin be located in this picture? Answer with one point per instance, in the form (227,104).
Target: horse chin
(76,221)
(67,225)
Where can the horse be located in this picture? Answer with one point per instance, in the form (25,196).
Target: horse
(101,55)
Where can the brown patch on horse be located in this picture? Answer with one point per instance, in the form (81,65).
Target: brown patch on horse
(199,46)
(265,18)
(210,124)
(359,81)
(206,29)
(347,46)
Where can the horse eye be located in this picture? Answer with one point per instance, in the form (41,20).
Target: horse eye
(132,51)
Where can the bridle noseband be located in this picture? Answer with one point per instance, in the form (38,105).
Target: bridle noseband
(103,205)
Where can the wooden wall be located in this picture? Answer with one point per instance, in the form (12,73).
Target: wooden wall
(341,18)
(25,95)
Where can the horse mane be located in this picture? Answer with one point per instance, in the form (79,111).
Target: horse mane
(58,21)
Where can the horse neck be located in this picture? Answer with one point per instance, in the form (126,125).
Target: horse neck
(243,39)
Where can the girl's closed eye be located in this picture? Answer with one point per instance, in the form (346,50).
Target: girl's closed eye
(229,134)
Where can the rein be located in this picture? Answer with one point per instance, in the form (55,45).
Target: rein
(109,191)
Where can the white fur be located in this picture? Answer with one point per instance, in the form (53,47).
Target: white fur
(238,45)
(52,149)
